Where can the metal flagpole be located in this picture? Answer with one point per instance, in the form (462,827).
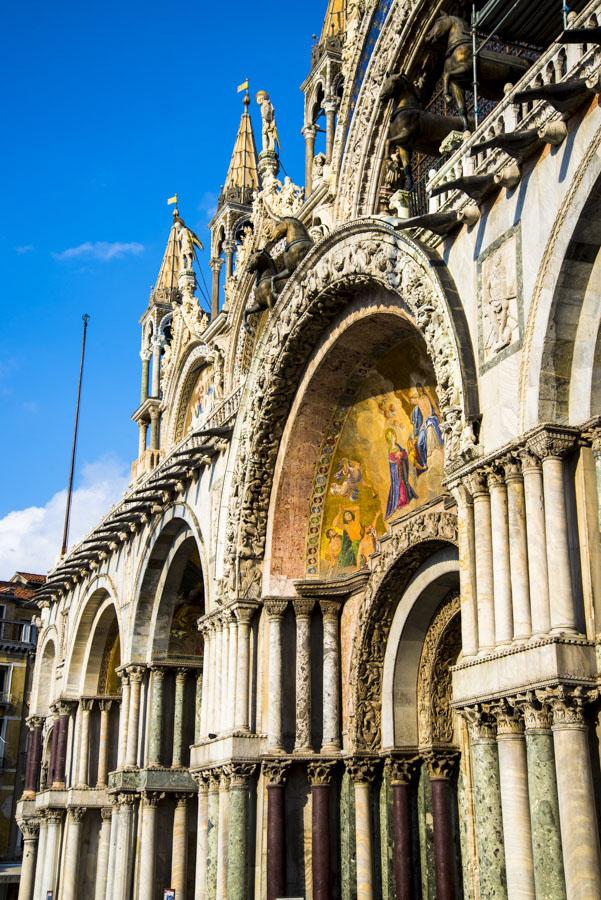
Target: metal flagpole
(85,320)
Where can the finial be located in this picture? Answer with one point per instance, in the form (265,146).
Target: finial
(172,201)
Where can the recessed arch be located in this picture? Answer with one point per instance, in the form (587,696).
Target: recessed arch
(91,615)
(45,683)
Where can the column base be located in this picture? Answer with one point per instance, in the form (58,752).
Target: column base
(304,751)
(28,795)
(331,748)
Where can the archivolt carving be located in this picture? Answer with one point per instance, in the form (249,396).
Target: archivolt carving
(361,255)
(401,556)
(434,690)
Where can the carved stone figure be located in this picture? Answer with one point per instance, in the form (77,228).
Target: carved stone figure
(269,129)
(495,70)
(411,127)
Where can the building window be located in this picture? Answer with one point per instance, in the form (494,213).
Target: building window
(5,682)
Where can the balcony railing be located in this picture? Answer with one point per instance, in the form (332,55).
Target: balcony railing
(559,63)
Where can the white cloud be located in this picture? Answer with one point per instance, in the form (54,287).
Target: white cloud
(100,250)
(24,248)
(30,538)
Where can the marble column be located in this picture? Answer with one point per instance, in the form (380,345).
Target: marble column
(362,772)
(157,677)
(225,674)
(440,765)
(596,450)
(135,674)
(518,549)
(202,842)
(320,775)
(179,853)
(309,132)
(330,107)
(50,859)
(155,420)
(467,570)
(544,805)
(551,447)
(70,874)
(123,720)
(244,614)
(331,676)
(41,858)
(401,772)
(102,855)
(214,777)
(217,682)
(123,855)
(238,874)
(478,486)
(513,779)
(85,711)
(156,368)
(113,842)
(30,829)
(303,609)
(275,737)
(232,672)
(64,712)
(145,357)
(487,805)
(53,748)
(537,543)
(229,248)
(275,773)
(103,743)
(500,555)
(222,834)
(148,846)
(216,263)
(34,758)
(177,758)
(206,674)
(576,794)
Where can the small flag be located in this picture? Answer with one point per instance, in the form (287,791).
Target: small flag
(242,87)
(172,200)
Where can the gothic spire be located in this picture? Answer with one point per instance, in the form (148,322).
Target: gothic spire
(334,21)
(242,176)
(166,283)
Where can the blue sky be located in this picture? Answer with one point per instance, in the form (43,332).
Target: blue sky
(109,108)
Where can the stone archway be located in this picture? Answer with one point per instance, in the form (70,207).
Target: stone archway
(361,256)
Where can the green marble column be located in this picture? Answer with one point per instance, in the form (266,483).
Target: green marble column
(544,806)
(487,808)
(156,717)
(386,840)
(212,828)
(348,864)
(237,859)
(426,836)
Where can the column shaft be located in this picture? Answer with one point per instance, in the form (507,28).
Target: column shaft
(364,843)
(303,609)
(518,552)
(444,856)
(223,698)
(517,833)
(53,750)
(402,843)
(70,874)
(133,719)
(213,825)
(102,856)
(85,707)
(320,841)
(103,744)
(156,368)
(537,544)
(500,555)
(330,109)
(309,132)
(467,572)
(563,616)
(275,610)
(177,759)
(484,569)
(123,721)
(243,675)
(50,859)
(488,815)
(148,849)
(123,855)
(206,674)
(331,677)
(232,665)
(222,838)
(40,861)
(28,865)
(179,856)
(156,717)
(61,750)
(202,843)
(276,853)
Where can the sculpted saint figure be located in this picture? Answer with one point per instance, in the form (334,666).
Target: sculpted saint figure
(269,131)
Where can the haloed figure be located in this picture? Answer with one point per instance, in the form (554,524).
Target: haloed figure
(401,493)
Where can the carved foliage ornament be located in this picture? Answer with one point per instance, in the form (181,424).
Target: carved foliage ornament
(307,304)
(441,648)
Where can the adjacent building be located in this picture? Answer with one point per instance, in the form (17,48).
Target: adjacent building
(339,640)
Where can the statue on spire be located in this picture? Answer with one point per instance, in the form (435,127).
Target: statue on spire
(187,241)
(269,129)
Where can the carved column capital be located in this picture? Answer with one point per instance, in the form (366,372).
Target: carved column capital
(135,673)
(275,771)
(202,780)
(440,764)
(567,705)
(158,672)
(303,607)
(361,769)
(495,474)
(181,673)
(86,704)
(275,607)
(477,483)
(508,719)
(105,704)
(330,609)
(239,774)
(513,467)
(30,828)
(36,721)
(552,443)
(481,724)
(126,800)
(214,779)
(106,813)
(245,612)
(536,715)
(151,798)
(181,800)
(402,769)
(77,812)
(321,771)
(64,707)
(54,816)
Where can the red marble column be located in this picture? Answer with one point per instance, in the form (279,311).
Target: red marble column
(34,752)
(275,772)
(320,775)
(440,770)
(53,750)
(401,772)
(61,745)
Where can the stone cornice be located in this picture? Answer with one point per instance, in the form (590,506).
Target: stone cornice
(319,589)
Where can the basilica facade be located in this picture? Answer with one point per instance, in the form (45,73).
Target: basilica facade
(339,638)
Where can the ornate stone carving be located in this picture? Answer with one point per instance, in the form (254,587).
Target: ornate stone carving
(321,771)
(239,774)
(567,704)
(552,443)
(361,769)
(106,813)
(303,608)
(77,813)
(441,648)
(481,724)
(275,771)
(275,608)
(441,764)
(30,828)
(402,769)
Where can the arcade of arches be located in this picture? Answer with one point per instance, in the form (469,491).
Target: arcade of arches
(339,639)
